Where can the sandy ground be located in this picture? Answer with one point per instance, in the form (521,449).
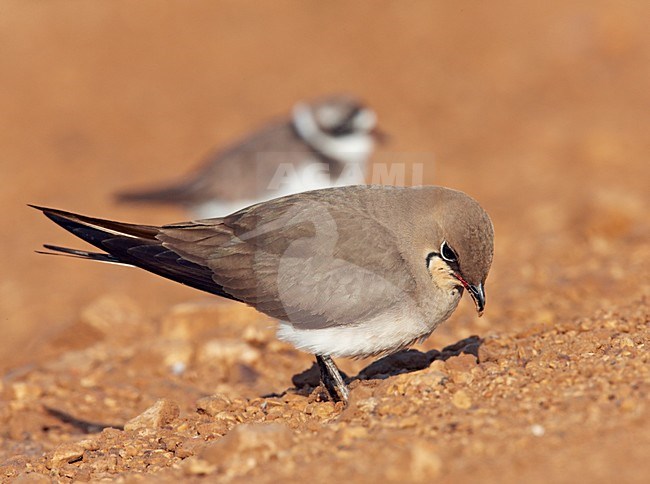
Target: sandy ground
(541,112)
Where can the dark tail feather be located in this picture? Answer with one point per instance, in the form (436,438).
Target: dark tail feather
(115,238)
(131,244)
(80,254)
(97,229)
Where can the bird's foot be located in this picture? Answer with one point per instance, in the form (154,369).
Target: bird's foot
(332,380)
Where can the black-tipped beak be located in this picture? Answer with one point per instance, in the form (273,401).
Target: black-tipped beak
(478,294)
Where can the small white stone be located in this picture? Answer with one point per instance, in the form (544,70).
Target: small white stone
(537,430)
(178,368)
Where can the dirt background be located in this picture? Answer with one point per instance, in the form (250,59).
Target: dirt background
(540,111)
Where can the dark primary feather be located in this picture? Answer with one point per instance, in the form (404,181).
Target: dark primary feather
(132,244)
(79,254)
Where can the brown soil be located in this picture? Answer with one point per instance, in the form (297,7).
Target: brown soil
(541,112)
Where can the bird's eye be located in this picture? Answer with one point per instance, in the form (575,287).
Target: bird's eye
(343,129)
(346,125)
(448,253)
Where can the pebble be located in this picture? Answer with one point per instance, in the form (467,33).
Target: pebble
(213,405)
(537,430)
(24,391)
(320,409)
(194,466)
(349,434)
(160,414)
(256,336)
(188,320)
(227,352)
(461,363)
(429,380)
(368,405)
(438,366)
(492,351)
(265,439)
(66,453)
(212,429)
(190,447)
(178,368)
(113,315)
(461,400)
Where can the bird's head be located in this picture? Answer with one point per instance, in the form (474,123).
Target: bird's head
(460,246)
(338,117)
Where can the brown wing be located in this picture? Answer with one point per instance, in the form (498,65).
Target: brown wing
(313,261)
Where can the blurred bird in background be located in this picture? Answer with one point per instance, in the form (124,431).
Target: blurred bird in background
(324,143)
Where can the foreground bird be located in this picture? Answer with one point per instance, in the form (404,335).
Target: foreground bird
(349,272)
(324,144)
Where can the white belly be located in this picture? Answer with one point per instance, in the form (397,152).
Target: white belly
(382,334)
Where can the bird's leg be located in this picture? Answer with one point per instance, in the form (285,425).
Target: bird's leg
(331,378)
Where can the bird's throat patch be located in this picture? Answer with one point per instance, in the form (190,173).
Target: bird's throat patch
(439,271)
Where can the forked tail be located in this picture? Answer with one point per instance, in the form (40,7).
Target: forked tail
(130,244)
